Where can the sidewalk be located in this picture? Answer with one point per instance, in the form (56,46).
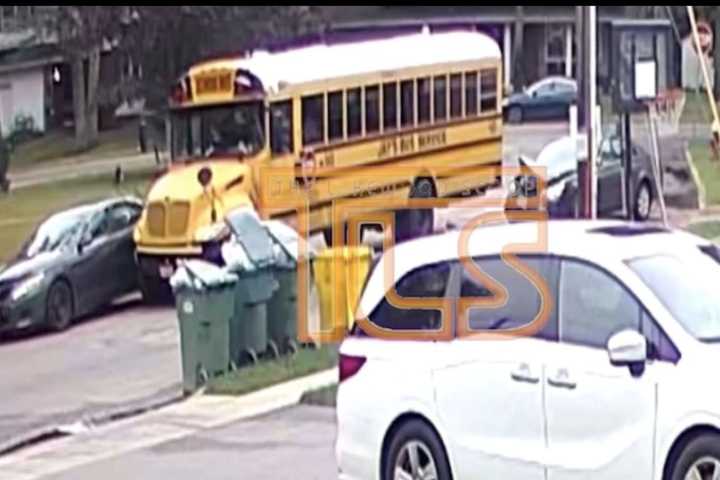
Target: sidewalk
(65,169)
(177,421)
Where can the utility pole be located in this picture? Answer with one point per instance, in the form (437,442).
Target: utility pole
(586,104)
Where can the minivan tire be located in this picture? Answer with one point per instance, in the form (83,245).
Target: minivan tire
(416,430)
(698,453)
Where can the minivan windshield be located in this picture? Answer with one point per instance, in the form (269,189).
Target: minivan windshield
(224,130)
(687,285)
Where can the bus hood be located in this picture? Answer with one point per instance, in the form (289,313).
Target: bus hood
(181,182)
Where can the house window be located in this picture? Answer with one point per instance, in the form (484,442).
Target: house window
(555,49)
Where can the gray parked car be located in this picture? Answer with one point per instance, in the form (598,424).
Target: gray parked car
(560,161)
(549,98)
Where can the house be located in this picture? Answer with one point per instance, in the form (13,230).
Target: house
(36,80)
(549,44)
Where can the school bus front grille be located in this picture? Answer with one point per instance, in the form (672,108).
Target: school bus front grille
(156,219)
(178,218)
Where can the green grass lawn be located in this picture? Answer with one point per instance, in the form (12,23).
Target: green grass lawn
(697,109)
(22,209)
(271,372)
(708,171)
(709,229)
(59,144)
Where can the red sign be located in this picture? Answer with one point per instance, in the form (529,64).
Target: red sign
(705,35)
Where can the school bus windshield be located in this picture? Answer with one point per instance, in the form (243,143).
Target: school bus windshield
(226,130)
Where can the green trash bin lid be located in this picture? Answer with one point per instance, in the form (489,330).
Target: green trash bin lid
(252,235)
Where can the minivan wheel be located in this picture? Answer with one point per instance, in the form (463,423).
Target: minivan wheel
(416,452)
(643,202)
(699,460)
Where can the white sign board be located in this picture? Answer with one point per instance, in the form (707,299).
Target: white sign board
(645,79)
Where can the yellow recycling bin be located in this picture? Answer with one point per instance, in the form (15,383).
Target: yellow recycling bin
(339,277)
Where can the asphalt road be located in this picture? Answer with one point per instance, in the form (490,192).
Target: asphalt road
(292,443)
(128,355)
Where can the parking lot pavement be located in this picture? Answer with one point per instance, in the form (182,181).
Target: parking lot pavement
(293,443)
(126,355)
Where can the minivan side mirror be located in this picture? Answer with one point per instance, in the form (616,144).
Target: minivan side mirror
(628,348)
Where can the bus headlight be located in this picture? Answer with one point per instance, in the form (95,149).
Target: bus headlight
(209,233)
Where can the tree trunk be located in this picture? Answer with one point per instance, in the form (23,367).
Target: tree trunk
(79,109)
(91,103)
(517,56)
(716,56)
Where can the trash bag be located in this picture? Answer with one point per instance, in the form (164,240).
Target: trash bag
(286,244)
(236,257)
(200,275)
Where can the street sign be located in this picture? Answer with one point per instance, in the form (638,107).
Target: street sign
(706,37)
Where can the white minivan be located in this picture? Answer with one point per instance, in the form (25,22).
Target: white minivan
(621,382)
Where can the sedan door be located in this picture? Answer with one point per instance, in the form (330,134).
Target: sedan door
(489,393)
(121,221)
(89,274)
(600,418)
(610,175)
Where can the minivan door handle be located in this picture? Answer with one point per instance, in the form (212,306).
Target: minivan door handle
(523,373)
(562,379)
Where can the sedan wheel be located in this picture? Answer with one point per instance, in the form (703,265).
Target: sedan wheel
(515,115)
(643,202)
(59,308)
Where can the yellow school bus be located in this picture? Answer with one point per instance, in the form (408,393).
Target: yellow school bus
(346,112)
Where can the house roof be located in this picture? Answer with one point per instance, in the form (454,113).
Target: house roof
(22,58)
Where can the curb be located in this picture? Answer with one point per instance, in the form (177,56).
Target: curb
(176,421)
(696,179)
(87,422)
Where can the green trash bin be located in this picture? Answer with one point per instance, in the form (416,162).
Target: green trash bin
(204,310)
(249,256)
(282,307)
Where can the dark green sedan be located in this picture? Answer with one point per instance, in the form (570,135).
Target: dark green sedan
(73,263)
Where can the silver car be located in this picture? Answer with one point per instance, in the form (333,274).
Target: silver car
(559,158)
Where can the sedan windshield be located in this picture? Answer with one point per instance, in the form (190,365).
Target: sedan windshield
(687,286)
(235,130)
(55,233)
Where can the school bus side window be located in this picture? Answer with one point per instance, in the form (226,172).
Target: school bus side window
(390,119)
(488,90)
(471,94)
(455,95)
(354,113)
(372,109)
(440,103)
(407,103)
(313,127)
(423,100)
(281,131)
(335,115)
